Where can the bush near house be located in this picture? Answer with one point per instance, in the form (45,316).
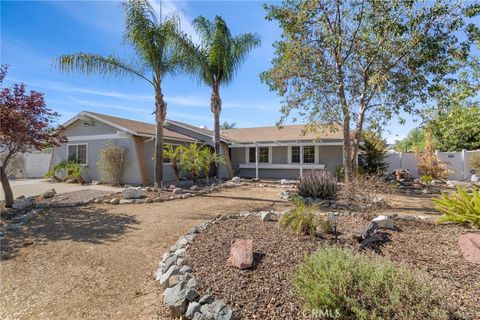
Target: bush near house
(317,184)
(111,162)
(353,286)
(72,171)
(460,207)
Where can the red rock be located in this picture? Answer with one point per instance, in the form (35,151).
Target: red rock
(470,245)
(241,254)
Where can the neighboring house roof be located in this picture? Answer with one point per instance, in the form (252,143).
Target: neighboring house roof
(134,127)
(285,133)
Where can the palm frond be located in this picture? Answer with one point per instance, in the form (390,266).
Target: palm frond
(94,64)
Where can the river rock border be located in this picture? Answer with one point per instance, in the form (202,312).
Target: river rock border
(176,277)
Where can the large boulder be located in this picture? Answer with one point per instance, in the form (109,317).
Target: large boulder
(133,193)
(384,222)
(470,246)
(241,254)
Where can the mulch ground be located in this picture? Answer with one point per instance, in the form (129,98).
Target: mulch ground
(265,290)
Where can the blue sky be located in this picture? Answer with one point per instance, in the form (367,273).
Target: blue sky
(35,32)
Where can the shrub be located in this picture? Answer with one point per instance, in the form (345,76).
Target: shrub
(174,153)
(426,179)
(72,171)
(362,287)
(374,150)
(317,184)
(191,161)
(475,162)
(209,157)
(111,162)
(460,207)
(429,164)
(302,219)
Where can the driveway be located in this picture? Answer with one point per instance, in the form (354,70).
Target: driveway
(97,261)
(35,187)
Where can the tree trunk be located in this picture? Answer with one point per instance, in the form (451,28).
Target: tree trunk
(347,150)
(7,190)
(160,114)
(216,106)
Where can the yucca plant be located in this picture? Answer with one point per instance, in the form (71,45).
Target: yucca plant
(303,220)
(460,207)
(317,184)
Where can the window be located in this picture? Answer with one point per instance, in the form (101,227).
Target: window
(309,154)
(251,155)
(77,153)
(295,154)
(263,155)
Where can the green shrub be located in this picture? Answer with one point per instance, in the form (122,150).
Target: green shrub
(303,220)
(426,179)
(317,184)
(72,169)
(361,287)
(460,207)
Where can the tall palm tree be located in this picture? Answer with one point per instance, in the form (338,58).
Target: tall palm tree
(220,57)
(161,49)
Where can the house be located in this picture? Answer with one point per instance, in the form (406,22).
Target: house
(265,152)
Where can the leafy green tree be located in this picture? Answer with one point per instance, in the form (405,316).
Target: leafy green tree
(413,142)
(220,57)
(374,149)
(351,63)
(209,157)
(458,129)
(191,160)
(227,125)
(161,49)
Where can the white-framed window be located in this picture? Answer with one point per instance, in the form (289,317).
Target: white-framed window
(77,153)
(309,154)
(264,155)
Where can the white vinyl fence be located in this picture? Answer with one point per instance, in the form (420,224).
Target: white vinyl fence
(458,162)
(37,163)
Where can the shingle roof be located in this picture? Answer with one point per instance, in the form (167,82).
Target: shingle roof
(139,127)
(285,133)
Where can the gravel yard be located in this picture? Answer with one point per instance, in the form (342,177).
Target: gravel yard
(264,292)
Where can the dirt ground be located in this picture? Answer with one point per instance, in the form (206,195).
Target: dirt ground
(97,262)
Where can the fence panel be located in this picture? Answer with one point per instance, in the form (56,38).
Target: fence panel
(37,163)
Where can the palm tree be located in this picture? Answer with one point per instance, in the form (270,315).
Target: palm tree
(174,154)
(220,57)
(227,125)
(161,49)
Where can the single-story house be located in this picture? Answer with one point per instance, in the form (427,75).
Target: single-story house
(264,152)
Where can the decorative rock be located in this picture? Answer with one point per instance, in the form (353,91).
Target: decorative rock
(195,188)
(125,201)
(284,195)
(13,226)
(384,222)
(236,179)
(132,193)
(192,283)
(50,193)
(225,314)
(193,307)
(470,246)
(158,199)
(206,299)
(191,294)
(185,269)
(206,309)
(218,306)
(199,316)
(177,191)
(114,201)
(170,261)
(241,254)
(265,216)
(173,270)
(244,214)
(23,204)
(148,200)
(174,299)
(139,201)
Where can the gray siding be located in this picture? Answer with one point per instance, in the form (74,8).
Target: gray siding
(331,157)
(96,127)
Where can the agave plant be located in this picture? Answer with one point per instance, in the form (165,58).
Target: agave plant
(460,207)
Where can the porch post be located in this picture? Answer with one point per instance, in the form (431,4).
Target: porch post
(256,162)
(301,161)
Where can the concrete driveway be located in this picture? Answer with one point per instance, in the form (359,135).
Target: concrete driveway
(34,187)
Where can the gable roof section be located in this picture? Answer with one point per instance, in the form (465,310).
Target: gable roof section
(134,127)
(285,133)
